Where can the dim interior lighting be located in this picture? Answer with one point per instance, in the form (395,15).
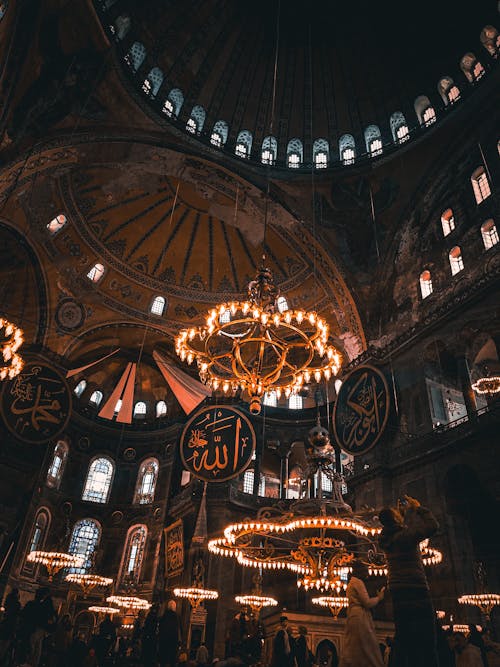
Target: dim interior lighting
(88,582)
(440,614)
(128,602)
(54,560)
(484,601)
(104,610)
(11,339)
(256,602)
(334,603)
(254,347)
(195,595)
(487,385)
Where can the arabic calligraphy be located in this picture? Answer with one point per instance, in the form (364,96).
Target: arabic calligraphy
(361,411)
(36,404)
(217,443)
(174,549)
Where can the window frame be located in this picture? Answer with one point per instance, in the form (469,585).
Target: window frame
(99,457)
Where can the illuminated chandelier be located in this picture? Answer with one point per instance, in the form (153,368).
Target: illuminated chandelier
(88,582)
(98,609)
(54,561)
(486,376)
(484,601)
(128,602)
(196,595)
(11,339)
(256,602)
(260,346)
(334,603)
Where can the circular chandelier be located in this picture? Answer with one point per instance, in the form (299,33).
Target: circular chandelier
(11,339)
(484,601)
(260,346)
(256,602)
(128,602)
(104,610)
(196,595)
(88,582)
(54,560)
(334,603)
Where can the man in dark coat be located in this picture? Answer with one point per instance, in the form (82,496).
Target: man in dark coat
(169,636)
(414,617)
(283,646)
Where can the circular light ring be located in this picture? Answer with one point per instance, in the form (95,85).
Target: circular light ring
(487,385)
(322,584)
(128,602)
(331,601)
(490,599)
(257,601)
(196,593)
(88,580)
(55,559)
(104,610)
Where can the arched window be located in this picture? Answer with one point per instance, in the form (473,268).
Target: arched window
(98,482)
(146,482)
(480,185)
(158,305)
(56,467)
(269,150)
(196,120)
(399,128)
(219,134)
(270,399)
(133,554)
(471,67)
(39,532)
(425,284)
(295,402)
(294,154)
(447,221)
(96,398)
(373,140)
(347,149)
(121,27)
(456,261)
(161,409)
(80,388)
(282,304)
(135,56)
(84,542)
(140,410)
(96,273)
(57,223)
(244,144)
(321,153)
(490,39)
(173,103)
(152,82)
(448,90)
(489,233)
(425,111)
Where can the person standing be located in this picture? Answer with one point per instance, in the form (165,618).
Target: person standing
(169,635)
(361,646)
(202,655)
(476,639)
(303,653)
(149,638)
(466,655)
(283,646)
(403,528)
(8,626)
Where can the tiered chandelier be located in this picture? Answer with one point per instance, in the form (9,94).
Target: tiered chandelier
(196,595)
(484,601)
(334,603)
(11,339)
(54,561)
(88,582)
(260,346)
(129,602)
(256,602)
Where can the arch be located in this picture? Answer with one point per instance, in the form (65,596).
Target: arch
(152,82)
(480,184)
(135,56)
(99,478)
(471,67)
(57,465)
(39,532)
(448,90)
(219,134)
(347,149)
(161,409)
(96,273)
(323,649)
(489,233)
(140,410)
(173,104)
(133,554)
(146,481)
(321,153)
(121,27)
(456,260)
(425,284)
(196,120)
(96,398)
(447,221)
(57,223)
(399,128)
(243,146)
(373,140)
(295,402)
(158,306)
(80,388)
(490,39)
(269,150)
(426,113)
(84,542)
(294,154)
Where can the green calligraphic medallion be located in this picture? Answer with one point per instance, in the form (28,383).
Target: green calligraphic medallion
(217,443)
(361,410)
(36,404)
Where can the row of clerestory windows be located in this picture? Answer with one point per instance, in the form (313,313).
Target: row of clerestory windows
(140,407)
(448,90)
(84,541)
(100,477)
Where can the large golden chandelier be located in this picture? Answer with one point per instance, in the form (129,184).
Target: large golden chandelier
(260,346)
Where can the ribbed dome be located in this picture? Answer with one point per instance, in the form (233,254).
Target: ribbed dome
(356,69)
